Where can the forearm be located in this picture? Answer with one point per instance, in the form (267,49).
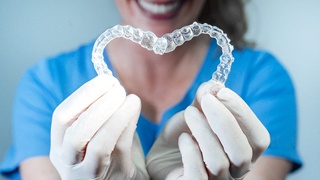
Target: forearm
(38,168)
(267,168)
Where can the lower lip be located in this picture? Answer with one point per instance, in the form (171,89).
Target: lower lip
(164,16)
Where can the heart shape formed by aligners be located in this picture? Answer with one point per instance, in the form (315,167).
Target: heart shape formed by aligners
(165,44)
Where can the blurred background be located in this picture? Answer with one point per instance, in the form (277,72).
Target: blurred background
(290,29)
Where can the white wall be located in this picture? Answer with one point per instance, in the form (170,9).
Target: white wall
(30,30)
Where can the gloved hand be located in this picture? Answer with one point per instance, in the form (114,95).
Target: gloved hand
(93,133)
(218,137)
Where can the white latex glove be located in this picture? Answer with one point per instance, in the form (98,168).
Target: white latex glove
(93,133)
(218,137)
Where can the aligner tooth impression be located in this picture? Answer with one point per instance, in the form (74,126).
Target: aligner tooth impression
(165,44)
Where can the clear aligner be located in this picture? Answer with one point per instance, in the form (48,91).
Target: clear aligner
(165,44)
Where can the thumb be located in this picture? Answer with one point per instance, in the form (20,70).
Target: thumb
(209,87)
(174,128)
(164,156)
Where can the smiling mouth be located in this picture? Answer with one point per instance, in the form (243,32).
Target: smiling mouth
(160,10)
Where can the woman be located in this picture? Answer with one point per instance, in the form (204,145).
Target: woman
(93,120)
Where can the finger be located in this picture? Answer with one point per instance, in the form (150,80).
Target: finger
(69,110)
(138,158)
(166,147)
(213,154)
(225,126)
(123,148)
(103,143)
(191,158)
(83,129)
(200,92)
(213,87)
(173,129)
(210,87)
(256,133)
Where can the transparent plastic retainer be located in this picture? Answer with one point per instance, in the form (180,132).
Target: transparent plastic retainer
(166,44)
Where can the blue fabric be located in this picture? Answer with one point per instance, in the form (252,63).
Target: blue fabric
(256,76)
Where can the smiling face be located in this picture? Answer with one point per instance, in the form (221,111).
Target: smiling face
(159,16)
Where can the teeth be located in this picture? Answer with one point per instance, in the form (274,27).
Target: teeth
(158,8)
